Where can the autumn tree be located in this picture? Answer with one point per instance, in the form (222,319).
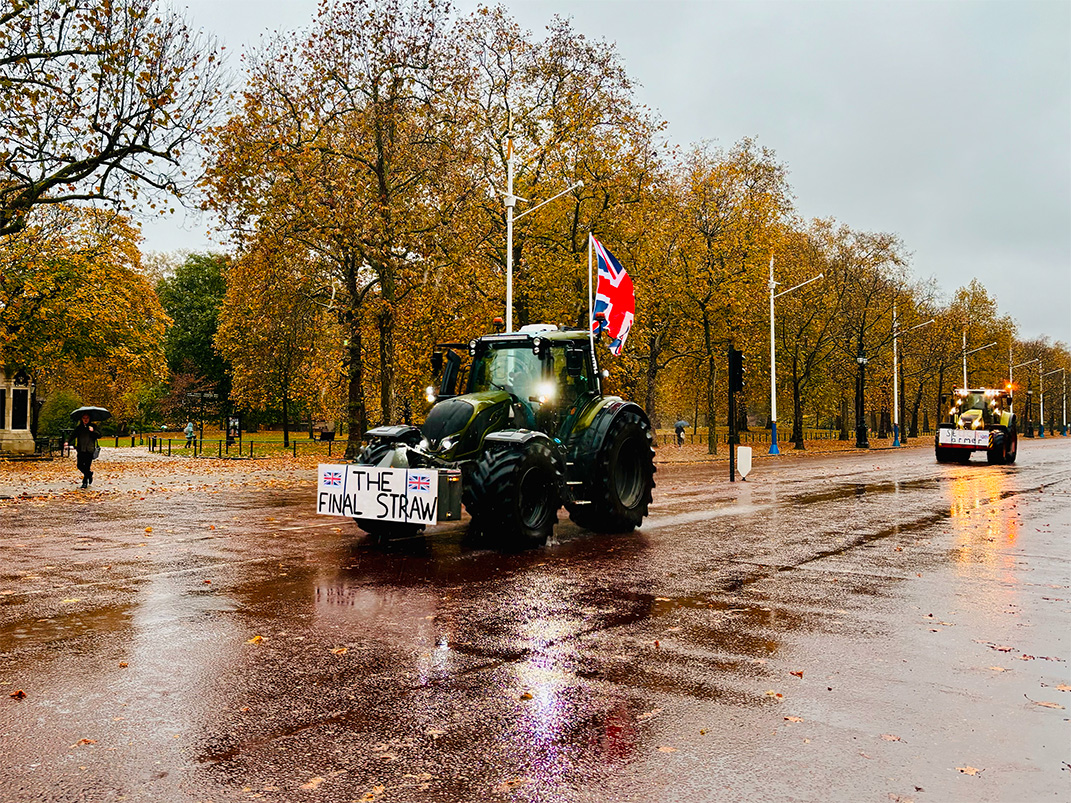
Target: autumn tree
(729,206)
(269,329)
(76,310)
(348,143)
(192,296)
(807,321)
(99,100)
(564,107)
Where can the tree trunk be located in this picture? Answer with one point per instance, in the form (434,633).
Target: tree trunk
(654,350)
(797,415)
(356,413)
(385,323)
(712,444)
(843,423)
(286,418)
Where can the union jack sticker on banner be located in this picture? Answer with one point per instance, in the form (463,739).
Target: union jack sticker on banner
(419,483)
(332,478)
(614,297)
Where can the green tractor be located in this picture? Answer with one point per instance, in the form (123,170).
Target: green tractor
(531,432)
(980,420)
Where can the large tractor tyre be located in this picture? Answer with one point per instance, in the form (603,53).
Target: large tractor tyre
(1011,445)
(514,494)
(621,478)
(995,455)
(943,454)
(963,456)
(383,530)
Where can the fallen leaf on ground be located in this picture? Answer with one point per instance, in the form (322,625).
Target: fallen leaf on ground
(999,669)
(889,737)
(511,784)
(255,640)
(18,695)
(794,719)
(148,529)
(526,696)
(667,749)
(1063,687)
(84,741)
(340,650)
(775,694)
(648,714)
(123,664)
(313,783)
(797,674)
(969,770)
(1044,704)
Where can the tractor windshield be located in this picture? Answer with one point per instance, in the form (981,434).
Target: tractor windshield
(972,401)
(512,369)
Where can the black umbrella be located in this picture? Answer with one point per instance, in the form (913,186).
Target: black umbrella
(95,413)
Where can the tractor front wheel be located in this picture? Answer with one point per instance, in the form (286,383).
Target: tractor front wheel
(514,494)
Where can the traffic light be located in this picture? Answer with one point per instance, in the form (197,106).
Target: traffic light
(736,370)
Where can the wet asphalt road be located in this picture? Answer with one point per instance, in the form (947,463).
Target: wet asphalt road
(861,627)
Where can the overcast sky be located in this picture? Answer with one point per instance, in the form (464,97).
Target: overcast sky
(947,123)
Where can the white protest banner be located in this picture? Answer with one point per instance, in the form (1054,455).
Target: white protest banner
(379,494)
(978,438)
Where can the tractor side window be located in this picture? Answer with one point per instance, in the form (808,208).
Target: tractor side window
(571,387)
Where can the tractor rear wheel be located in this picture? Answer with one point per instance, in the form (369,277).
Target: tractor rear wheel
(514,493)
(621,479)
(1011,446)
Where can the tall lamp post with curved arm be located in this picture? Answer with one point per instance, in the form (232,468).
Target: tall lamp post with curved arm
(773,354)
(896,373)
(1063,429)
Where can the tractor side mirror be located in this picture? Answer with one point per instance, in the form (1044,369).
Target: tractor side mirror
(451,371)
(574,362)
(944,400)
(436,362)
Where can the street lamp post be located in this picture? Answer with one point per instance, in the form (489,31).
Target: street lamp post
(773,354)
(510,201)
(1011,373)
(1063,429)
(895,374)
(861,439)
(972,351)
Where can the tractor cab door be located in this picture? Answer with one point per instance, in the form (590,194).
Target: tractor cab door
(571,373)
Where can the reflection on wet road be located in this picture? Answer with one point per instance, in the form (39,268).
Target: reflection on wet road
(837,628)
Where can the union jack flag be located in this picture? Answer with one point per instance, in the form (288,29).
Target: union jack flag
(419,482)
(332,478)
(614,297)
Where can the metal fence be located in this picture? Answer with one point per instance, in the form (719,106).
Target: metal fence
(238,449)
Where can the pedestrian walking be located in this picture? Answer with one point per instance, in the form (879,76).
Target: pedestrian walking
(678,428)
(189,433)
(85,436)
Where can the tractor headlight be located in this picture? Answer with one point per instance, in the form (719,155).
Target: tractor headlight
(447,444)
(424,445)
(429,394)
(546,392)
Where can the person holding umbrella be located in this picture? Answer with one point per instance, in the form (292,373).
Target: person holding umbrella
(678,429)
(85,437)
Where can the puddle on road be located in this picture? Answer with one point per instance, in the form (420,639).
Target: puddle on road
(65,627)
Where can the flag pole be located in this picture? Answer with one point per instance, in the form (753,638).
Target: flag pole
(591,306)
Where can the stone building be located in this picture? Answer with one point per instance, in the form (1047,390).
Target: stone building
(16,391)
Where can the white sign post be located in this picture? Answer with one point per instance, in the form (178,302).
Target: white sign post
(743,460)
(406,495)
